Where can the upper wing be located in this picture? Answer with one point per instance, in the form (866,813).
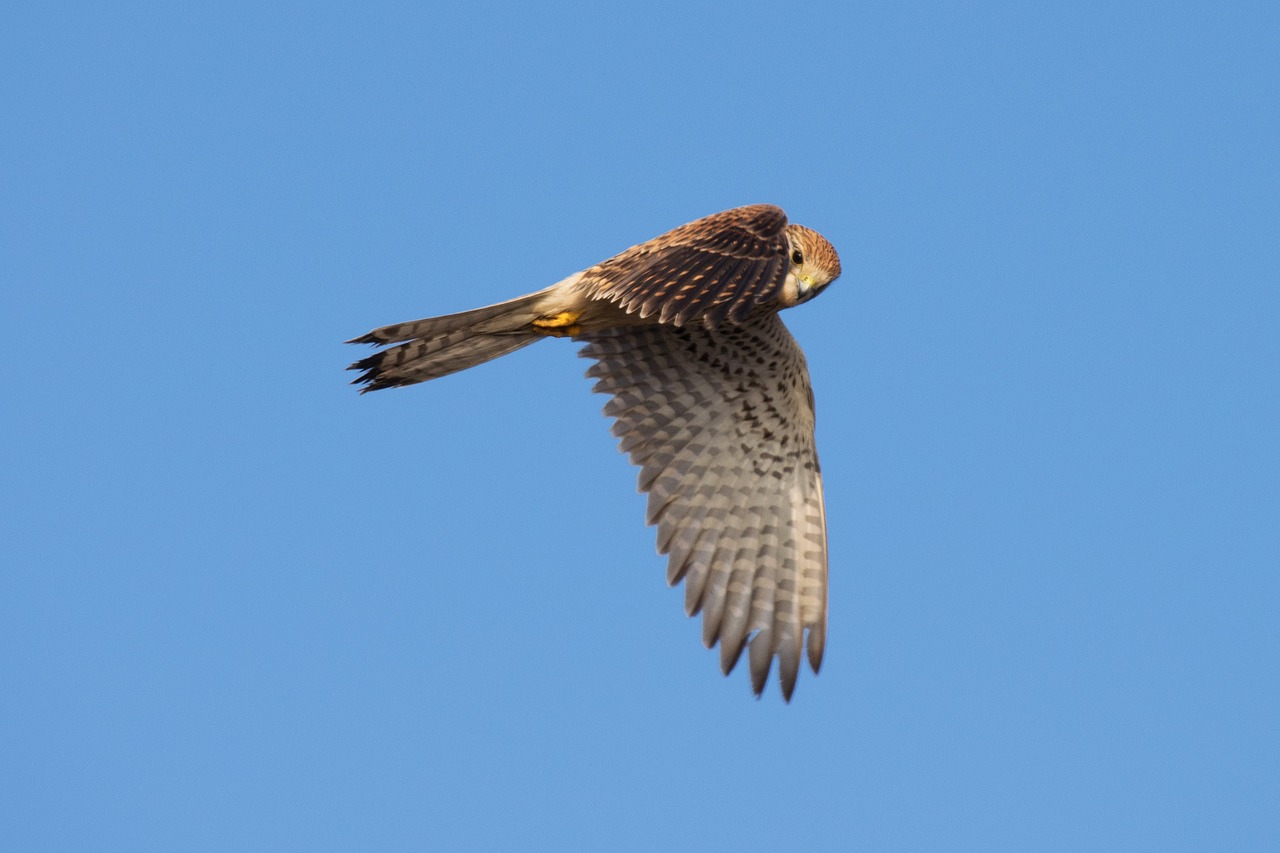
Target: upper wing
(715,268)
(721,423)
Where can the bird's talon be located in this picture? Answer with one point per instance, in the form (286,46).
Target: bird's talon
(562,325)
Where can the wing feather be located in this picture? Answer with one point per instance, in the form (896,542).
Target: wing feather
(715,269)
(720,421)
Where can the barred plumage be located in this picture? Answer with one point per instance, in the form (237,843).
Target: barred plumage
(720,422)
(712,400)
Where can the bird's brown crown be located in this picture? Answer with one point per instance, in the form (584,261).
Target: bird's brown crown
(820,257)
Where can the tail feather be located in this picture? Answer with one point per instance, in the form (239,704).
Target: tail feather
(437,346)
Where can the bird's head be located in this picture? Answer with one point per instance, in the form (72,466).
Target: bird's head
(814,265)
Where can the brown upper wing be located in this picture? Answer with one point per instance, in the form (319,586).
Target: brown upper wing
(713,269)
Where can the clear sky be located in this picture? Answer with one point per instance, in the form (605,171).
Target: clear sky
(243,608)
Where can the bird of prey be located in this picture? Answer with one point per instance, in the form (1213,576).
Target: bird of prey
(712,401)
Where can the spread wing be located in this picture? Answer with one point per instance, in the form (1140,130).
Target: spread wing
(720,422)
(714,269)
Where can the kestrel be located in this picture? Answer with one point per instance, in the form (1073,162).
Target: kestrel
(712,400)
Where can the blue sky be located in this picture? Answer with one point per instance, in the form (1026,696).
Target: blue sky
(244,608)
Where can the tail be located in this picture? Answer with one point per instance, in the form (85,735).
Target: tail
(438,346)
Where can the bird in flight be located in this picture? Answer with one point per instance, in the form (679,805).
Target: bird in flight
(712,401)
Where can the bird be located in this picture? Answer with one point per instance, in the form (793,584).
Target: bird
(711,399)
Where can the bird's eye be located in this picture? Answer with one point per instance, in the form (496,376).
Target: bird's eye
(797,257)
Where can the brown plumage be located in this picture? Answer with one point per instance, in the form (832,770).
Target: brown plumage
(712,400)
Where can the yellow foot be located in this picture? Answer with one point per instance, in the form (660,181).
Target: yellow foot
(562,325)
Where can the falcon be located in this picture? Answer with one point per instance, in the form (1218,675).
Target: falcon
(711,399)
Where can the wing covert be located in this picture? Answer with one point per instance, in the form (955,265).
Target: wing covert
(713,269)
